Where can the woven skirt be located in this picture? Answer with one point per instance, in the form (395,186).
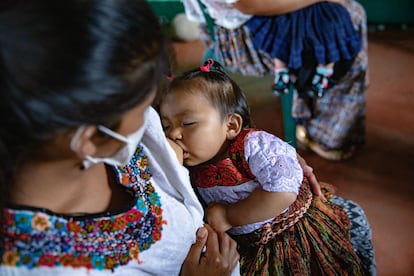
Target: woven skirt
(313,237)
(323,31)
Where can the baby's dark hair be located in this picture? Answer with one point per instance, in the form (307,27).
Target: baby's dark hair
(217,86)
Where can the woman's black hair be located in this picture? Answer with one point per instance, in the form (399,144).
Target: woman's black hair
(69,63)
(217,86)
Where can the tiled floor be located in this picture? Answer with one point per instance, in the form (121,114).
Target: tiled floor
(380,178)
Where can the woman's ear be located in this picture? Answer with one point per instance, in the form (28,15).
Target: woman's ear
(81,142)
(234,126)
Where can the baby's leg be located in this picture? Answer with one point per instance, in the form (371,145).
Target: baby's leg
(282,79)
(321,78)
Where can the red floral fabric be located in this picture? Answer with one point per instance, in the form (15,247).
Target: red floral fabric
(231,171)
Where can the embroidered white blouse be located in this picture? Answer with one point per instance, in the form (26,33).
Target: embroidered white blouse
(151,237)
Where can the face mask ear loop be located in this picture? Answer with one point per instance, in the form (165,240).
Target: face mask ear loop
(113,134)
(75,138)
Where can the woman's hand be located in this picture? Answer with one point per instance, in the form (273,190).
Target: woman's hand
(308,172)
(219,258)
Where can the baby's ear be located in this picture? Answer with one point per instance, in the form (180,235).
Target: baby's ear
(234,126)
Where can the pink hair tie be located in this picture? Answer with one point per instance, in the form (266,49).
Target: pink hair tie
(170,78)
(206,68)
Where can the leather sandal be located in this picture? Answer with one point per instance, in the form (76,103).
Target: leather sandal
(333,155)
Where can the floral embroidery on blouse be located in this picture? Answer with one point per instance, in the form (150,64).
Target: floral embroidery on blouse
(224,173)
(36,238)
(227,172)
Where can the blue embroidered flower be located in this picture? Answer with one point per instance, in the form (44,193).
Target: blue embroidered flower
(24,221)
(98,262)
(28,260)
(60,226)
(154,199)
(141,205)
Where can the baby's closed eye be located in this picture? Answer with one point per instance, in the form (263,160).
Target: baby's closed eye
(189,123)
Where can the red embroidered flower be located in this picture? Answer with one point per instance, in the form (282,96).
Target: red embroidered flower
(84,261)
(73,227)
(224,173)
(7,218)
(156,235)
(204,176)
(156,210)
(48,260)
(229,174)
(67,260)
(120,223)
(158,222)
(133,215)
(125,179)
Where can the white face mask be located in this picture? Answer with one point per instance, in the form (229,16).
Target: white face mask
(121,157)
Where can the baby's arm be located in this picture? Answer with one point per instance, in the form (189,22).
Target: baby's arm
(276,168)
(216,216)
(259,206)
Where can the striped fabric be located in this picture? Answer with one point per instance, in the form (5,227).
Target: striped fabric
(309,238)
(323,31)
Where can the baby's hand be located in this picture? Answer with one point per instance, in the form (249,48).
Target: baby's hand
(177,149)
(217,217)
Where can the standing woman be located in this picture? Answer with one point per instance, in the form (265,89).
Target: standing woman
(332,126)
(89,184)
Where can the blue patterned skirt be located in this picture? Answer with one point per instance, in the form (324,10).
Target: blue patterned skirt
(323,31)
